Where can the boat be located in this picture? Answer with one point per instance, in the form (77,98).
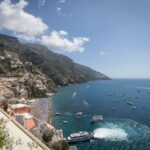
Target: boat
(54,114)
(96,118)
(65,121)
(57,113)
(129,103)
(133,107)
(78,113)
(79,137)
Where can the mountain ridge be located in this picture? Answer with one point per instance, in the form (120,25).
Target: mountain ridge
(61,69)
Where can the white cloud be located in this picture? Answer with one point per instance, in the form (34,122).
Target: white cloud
(103,53)
(63,33)
(62,1)
(42,3)
(29,28)
(58,41)
(59,9)
(14,18)
(27,38)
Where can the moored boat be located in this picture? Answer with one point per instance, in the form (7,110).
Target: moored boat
(57,113)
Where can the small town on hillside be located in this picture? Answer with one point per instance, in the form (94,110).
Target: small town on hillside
(18,87)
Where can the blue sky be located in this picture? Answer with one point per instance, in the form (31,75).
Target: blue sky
(111,36)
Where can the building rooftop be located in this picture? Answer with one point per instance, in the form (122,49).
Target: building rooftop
(19,106)
(30,123)
(25,115)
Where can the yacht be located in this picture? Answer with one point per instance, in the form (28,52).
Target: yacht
(79,137)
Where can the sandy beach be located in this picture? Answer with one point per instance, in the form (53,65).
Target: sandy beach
(41,109)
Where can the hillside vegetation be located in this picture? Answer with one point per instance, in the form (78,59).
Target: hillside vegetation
(60,69)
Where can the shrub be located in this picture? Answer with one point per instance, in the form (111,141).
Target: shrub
(47,135)
(61,145)
(2,134)
(2,140)
(4,105)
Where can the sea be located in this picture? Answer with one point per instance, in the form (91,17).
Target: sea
(124,126)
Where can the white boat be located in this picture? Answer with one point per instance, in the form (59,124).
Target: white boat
(65,121)
(79,137)
(129,103)
(78,114)
(96,118)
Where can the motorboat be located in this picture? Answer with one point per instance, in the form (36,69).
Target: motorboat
(78,113)
(96,118)
(129,103)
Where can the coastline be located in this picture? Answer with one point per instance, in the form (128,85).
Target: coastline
(49,110)
(102,96)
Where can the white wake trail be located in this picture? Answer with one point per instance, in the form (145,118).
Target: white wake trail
(115,134)
(74,94)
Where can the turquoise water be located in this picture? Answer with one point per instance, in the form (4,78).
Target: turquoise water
(123,127)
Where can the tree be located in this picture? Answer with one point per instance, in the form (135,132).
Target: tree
(47,135)
(2,140)
(2,134)
(4,105)
(61,145)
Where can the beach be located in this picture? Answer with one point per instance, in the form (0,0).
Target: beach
(41,109)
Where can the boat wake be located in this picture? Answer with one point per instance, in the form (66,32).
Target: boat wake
(110,134)
(85,103)
(74,94)
(139,87)
(121,130)
(144,88)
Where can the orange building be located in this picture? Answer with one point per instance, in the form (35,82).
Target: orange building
(22,113)
(27,120)
(21,108)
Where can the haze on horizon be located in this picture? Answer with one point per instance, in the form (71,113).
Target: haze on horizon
(112,37)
